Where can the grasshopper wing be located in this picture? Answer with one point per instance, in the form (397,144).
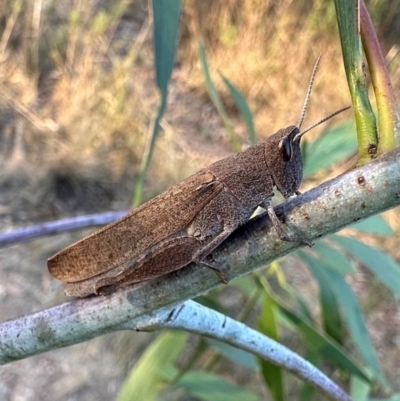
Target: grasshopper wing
(141,229)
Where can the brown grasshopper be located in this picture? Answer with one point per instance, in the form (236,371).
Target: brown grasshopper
(185,223)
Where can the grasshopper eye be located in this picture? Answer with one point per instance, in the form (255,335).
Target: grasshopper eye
(285,145)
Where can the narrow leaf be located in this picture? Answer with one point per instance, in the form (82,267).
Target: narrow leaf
(166,24)
(394,397)
(244,110)
(333,257)
(245,284)
(303,308)
(331,318)
(210,387)
(268,325)
(236,355)
(385,268)
(331,147)
(215,98)
(354,317)
(374,225)
(359,389)
(146,378)
(320,343)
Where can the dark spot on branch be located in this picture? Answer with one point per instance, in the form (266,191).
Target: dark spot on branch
(305,215)
(361,180)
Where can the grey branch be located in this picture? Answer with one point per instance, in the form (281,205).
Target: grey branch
(56,227)
(198,319)
(337,203)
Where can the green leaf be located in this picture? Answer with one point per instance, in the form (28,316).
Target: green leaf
(166,24)
(303,308)
(307,392)
(146,378)
(215,98)
(268,325)
(321,344)
(354,317)
(386,269)
(245,284)
(210,387)
(359,389)
(236,355)
(331,147)
(244,109)
(331,318)
(209,300)
(374,225)
(333,257)
(394,397)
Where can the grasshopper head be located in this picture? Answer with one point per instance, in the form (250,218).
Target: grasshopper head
(284,161)
(283,156)
(282,150)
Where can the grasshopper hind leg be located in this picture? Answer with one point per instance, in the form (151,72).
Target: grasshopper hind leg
(167,256)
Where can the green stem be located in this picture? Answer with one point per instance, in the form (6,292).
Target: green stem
(389,129)
(148,154)
(347,18)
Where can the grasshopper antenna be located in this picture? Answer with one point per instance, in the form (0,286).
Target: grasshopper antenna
(310,85)
(298,136)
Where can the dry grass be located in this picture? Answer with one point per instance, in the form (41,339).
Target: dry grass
(77,90)
(77,98)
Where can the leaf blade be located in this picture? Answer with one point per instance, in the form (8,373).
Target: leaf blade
(331,318)
(374,225)
(268,325)
(215,98)
(374,259)
(208,386)
(145,380)
(244,109)
(354,317)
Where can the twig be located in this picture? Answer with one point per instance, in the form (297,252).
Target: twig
(198,319)
(56,227)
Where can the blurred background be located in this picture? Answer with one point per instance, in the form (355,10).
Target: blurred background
(77,101)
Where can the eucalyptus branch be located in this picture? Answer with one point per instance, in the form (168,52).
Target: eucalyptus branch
(198,319)
(335,204)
